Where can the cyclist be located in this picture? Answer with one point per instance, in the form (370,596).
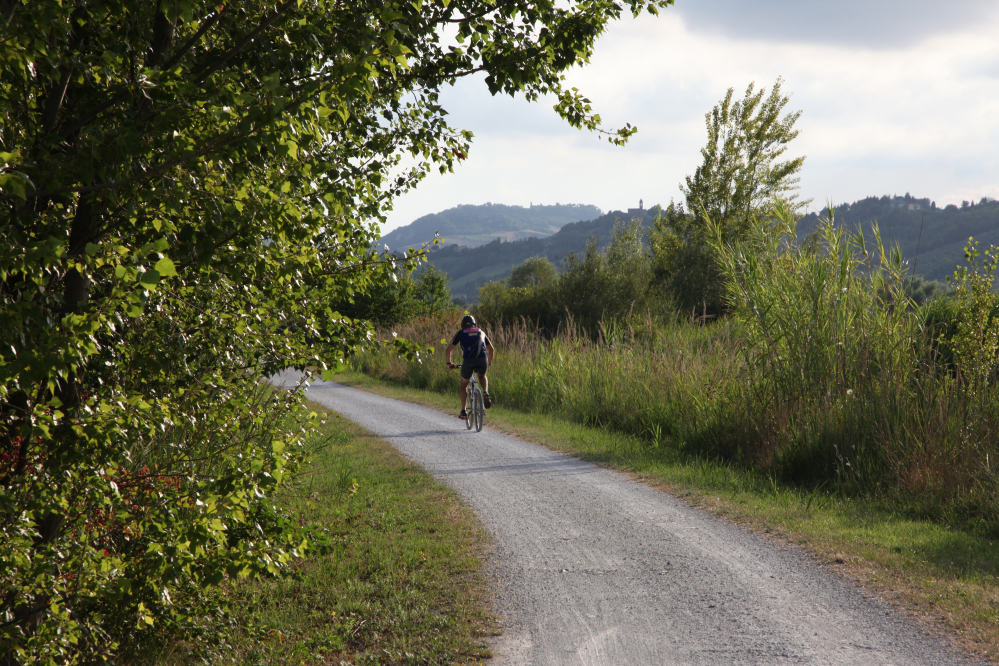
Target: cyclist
(478,356)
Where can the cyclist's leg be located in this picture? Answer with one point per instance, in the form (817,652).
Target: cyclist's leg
(485,390)
(484,382)
(481,369)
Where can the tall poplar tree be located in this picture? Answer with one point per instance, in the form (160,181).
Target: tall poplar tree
(739,178)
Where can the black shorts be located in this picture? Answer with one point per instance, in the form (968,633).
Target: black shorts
(476,365)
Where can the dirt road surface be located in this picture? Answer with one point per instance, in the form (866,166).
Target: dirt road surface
(591,567)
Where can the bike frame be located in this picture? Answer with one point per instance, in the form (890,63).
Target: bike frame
(474,406)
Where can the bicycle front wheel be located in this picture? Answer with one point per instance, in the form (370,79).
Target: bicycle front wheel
(479,410)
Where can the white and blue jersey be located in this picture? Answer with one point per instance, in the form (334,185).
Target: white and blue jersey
(472,341)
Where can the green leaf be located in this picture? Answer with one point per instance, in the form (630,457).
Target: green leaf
(149,279)
(271,82)
(14,184)
(165,267)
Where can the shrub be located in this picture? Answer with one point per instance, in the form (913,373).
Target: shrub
(843,373)
(975,342)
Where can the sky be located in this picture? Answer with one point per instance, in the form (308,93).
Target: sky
(896,96)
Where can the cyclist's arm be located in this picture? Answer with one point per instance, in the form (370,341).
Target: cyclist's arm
(489,353)
(447,353)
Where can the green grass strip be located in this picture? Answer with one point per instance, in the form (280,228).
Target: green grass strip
(945,577)
(400,582)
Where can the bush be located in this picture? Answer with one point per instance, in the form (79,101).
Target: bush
(850,375)
(128,563)
(975,343)
(685,265)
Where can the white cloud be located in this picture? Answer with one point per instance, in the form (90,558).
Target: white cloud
(875,24)
(923,119)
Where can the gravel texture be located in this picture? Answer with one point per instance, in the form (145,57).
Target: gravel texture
(591,567)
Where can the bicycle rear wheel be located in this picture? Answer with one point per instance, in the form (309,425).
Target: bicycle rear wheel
(479,410)
(469,411)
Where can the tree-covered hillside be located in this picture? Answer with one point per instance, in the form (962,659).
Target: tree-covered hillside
(471,267)
(931,238)
(470,225)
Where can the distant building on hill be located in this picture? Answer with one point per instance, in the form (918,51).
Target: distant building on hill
(638,212)
(908,202)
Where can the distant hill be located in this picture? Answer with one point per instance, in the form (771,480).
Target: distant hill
(476,225)
(471,267)
(940,247)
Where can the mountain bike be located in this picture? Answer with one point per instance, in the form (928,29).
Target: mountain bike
(474,405)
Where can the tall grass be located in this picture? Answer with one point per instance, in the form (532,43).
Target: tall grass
(825,373)
(845,368)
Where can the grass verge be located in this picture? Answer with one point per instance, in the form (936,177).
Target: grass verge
(945,577)
(398,579)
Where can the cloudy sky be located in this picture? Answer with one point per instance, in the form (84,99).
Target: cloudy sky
(897,96)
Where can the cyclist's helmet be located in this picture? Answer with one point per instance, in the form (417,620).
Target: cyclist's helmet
(467,321)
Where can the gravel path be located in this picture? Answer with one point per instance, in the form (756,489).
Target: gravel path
(593,568)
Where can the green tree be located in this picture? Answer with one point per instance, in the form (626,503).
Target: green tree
(737,182)
(600,286)
(431,294)
(184,185)
(533,272)
(594,288)
(389,300)
(398,297)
